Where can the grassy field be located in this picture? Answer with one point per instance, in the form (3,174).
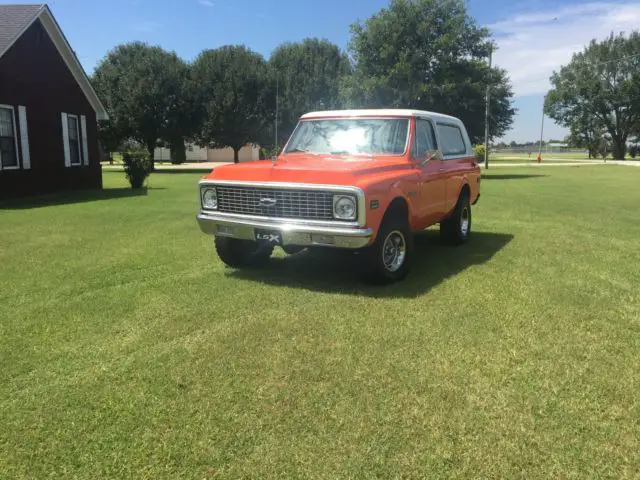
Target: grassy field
(524,157)
(129,351)
(548,156)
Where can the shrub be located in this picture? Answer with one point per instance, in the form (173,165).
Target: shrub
(479,151)
(267,153)
(137,167)
(633,151)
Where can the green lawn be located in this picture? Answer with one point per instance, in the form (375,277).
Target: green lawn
(546,156)
(525,157)
(129,351)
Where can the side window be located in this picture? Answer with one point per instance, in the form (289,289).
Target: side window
(8,144)
(425,140)
(452,140)
(74,140)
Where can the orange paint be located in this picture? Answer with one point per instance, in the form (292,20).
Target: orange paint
(431,190)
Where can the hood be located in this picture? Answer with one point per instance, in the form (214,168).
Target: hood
(320,169)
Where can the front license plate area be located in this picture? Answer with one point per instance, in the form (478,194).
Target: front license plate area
(270,236)
(225,231)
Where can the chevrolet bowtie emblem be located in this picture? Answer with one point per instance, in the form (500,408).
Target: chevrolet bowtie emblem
(268,202)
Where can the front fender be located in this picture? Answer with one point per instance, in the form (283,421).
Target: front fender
(380,195)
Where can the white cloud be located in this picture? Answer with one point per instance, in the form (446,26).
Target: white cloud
(206,3)
(534,44)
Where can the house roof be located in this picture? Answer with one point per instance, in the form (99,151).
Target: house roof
(16,19)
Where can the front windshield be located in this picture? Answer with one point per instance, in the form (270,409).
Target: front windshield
(351,136)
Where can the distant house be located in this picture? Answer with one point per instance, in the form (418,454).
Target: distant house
(199,154)
(48,109)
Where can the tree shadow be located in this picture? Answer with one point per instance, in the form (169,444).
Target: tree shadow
(337,271)
(73,196)
(510,176)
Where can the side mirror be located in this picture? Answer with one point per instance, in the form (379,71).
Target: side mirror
(431,155)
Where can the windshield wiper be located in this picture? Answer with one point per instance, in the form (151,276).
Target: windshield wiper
(298,150)
(356,154)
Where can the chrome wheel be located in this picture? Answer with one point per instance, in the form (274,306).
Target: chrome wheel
(394,251)
(464,222)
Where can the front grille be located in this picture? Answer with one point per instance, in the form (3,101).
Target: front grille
(295,204)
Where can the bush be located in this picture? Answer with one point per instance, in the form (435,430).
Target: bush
(270,152)
(137,167)
(479,151)
(633,151)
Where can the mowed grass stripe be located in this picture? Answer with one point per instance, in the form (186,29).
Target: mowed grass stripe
(129,351)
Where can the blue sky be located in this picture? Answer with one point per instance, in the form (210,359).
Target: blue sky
(534,37)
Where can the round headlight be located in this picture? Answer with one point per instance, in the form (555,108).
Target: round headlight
(210,198)
(344,207)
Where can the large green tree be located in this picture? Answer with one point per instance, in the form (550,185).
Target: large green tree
(309,74)
(236,97)
(601,83)
(428,54)
(145,90)
(586,132)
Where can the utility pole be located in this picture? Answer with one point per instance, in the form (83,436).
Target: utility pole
(487,113)
(541,130)
(277,111)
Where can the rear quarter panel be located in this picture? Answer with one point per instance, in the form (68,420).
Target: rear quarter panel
(461,172)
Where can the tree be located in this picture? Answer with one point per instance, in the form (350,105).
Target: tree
(603,83)
(309,75)
(144,90)
(586,132)
(110,137)
(428,54)
(236,95)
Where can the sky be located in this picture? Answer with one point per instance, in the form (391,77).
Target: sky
(534,37)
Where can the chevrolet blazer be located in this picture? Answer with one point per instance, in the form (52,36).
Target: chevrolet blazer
(364,180)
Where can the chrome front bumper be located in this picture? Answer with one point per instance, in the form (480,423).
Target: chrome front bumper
(299,234)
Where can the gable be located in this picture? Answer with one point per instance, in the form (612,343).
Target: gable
(14,20)
(45,18)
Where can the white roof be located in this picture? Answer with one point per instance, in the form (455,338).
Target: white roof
(378,113)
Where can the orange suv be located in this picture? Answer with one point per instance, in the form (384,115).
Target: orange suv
(364,180)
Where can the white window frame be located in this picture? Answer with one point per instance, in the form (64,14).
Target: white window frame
(79,134)
(15,139)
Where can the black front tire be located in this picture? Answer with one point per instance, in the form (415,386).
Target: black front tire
(242,253)
(456,229)
(395,233)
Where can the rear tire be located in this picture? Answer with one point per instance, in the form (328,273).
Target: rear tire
(389,258)
(242,253)
(456,229)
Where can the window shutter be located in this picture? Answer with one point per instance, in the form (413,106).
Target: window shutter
(65,140)
(24,137)
(85,145)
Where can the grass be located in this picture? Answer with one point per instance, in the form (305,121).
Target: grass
(547,156)
(129,351)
